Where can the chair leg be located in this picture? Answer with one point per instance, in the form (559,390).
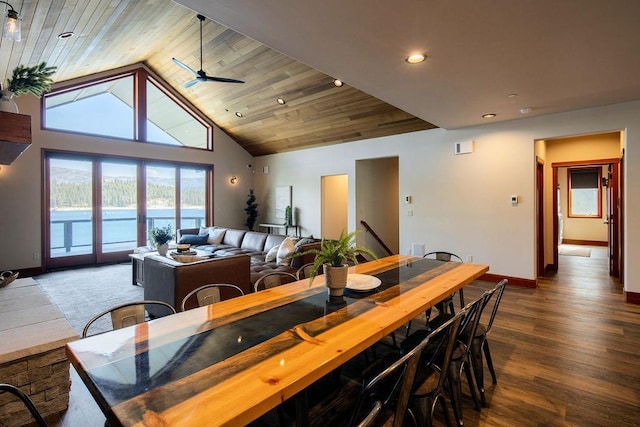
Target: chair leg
(422,411)
(487,355)
(472,386)
(445,410)
(478,368)
(455,390)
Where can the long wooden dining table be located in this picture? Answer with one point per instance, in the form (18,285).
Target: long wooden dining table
(230,362)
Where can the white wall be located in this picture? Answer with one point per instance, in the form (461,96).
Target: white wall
(462,203)
(20,182)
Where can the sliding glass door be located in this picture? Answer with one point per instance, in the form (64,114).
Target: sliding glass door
(71,215)
(100,209)
(119,206)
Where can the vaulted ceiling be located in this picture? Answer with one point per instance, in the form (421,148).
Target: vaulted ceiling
(513,58)
(108,35)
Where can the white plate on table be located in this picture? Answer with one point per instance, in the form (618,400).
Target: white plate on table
(362,282)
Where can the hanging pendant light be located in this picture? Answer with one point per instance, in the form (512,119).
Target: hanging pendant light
(12,25)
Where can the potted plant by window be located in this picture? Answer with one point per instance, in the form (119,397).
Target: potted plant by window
(35,80)
(333,256)
(160,237)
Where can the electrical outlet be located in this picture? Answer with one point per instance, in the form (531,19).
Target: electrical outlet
(469,258)
(36,256)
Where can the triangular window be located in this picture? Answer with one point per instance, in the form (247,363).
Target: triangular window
(110,107)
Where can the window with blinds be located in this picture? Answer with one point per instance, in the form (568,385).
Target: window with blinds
(584,192)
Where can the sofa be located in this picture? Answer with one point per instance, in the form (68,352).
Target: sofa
(170,281)
(266,251)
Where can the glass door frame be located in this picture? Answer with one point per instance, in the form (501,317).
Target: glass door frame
(97,256)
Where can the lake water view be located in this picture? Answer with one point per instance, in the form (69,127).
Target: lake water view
(119,228)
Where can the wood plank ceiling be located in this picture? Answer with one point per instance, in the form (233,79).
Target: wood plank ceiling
(108,35)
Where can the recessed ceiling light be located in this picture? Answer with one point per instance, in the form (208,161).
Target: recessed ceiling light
(338,83)
(239,114)
(65,35)
(489,116)
(281,101)
(512,95)
(416,58)
(525,110)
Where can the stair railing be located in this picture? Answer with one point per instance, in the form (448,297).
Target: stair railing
(375,236)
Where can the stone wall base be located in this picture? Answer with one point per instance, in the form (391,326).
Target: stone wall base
(44,378)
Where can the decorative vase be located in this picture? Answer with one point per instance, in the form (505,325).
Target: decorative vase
(163,249)
(335,278)
(6,101)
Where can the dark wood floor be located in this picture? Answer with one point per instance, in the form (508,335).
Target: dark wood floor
(566,354)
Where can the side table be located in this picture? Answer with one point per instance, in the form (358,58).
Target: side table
(137,264)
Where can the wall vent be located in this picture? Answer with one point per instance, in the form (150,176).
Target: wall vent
(464,147)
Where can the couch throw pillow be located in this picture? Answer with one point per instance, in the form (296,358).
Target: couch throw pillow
(194,239)
(216,235)
(304,241)
(287,247)
(272,254)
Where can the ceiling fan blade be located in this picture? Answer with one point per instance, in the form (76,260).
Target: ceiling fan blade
(200,75)
(185,66)
(223,80)
(190,83)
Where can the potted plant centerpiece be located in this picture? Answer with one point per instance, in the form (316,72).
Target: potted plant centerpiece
(332,257)
(160,237)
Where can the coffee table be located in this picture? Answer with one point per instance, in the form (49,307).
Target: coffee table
(137,264)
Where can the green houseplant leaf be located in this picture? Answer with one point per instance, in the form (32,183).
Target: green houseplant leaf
(160,235)
(35,80)
(336,253)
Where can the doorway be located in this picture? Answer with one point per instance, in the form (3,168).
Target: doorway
(334,205)
(377,204)
(596,160)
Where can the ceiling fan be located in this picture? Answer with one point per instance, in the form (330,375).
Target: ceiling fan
(200,75)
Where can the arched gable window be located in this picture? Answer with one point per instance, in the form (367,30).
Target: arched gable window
(129,105)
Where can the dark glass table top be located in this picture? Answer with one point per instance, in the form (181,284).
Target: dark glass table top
(213,348)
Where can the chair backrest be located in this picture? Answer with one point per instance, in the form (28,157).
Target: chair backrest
(127,314)
(209,294)
(443,256)
(401,374)
(26,401)
(496,295)
(273,279)
(304,271)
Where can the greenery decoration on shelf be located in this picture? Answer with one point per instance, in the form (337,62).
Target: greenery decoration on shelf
(160,235)
(35,80)
(251,210)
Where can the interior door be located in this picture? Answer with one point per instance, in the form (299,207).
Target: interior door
(613,219)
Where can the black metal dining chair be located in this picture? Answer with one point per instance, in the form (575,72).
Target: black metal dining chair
(209,294)
(304,271)
(127,314)
(382,396)
(479,343)
(432,373)
(441,306)
(273,279)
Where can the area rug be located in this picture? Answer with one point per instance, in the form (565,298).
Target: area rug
(574,250)
(81,293)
